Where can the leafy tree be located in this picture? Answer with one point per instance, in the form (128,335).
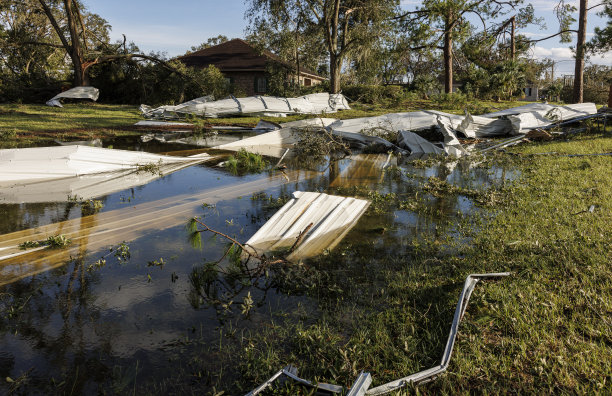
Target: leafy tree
(602,41)
(292,38)
(450,18)
(342,26)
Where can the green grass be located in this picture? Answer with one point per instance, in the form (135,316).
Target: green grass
(23,125)
(545,329)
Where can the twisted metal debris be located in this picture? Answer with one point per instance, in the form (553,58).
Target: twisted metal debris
(361,385)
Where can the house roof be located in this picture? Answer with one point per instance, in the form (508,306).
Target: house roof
(236,55)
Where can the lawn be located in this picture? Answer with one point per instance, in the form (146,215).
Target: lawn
(26,125)
(545,329)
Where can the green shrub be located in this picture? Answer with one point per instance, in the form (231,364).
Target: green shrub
(455,100)
(375,94)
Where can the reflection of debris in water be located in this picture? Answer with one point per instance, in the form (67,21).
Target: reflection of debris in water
(363,169)
(112,227)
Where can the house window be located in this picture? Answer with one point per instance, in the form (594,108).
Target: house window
(307,82)
(261,84)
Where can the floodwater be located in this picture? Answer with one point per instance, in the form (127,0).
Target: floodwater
(133,325)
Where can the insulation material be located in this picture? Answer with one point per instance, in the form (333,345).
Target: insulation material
(318,103)
(44,163)
(75,93)
(416,144)
(331,218)
(272,144)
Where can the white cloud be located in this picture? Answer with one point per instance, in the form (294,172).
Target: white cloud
(549,5)
(564,57)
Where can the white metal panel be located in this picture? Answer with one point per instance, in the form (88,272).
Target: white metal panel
(272,144)
(331,217)
(75,93)
(27,164)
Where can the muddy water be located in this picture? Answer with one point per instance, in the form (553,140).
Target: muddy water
(70,326)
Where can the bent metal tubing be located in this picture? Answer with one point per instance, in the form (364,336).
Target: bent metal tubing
(417,378)
(432,373)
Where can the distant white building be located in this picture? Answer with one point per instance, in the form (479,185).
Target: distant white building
(532,93)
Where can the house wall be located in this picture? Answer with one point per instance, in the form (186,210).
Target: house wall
(244,82)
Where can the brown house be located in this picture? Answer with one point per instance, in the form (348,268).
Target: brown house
(244,66)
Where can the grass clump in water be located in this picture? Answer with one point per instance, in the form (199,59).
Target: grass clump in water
(245,162)
(60,241)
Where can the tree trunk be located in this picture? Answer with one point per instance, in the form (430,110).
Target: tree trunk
(448,54)
(610,97)
(580,47)
(335,64)
(76,52)
(512,42)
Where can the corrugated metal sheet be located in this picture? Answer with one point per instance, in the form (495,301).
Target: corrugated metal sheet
(395,122)
(44,163)
(75,93)
(318,103)
(542,115)
(566,111)
(332,217)
(478,126)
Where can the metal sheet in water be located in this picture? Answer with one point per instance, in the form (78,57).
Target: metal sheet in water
(331,217)
(93,233)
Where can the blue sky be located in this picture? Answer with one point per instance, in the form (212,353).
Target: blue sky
(173,27)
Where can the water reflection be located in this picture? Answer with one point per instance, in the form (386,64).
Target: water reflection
(73,327)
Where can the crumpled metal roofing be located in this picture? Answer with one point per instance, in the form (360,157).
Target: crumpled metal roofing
(538,115)
(416,144)
(26,165)
(317,103)
(331,217)
(75,93)
(394,122)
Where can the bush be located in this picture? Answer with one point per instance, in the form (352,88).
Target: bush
(455,100)
(375,94)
